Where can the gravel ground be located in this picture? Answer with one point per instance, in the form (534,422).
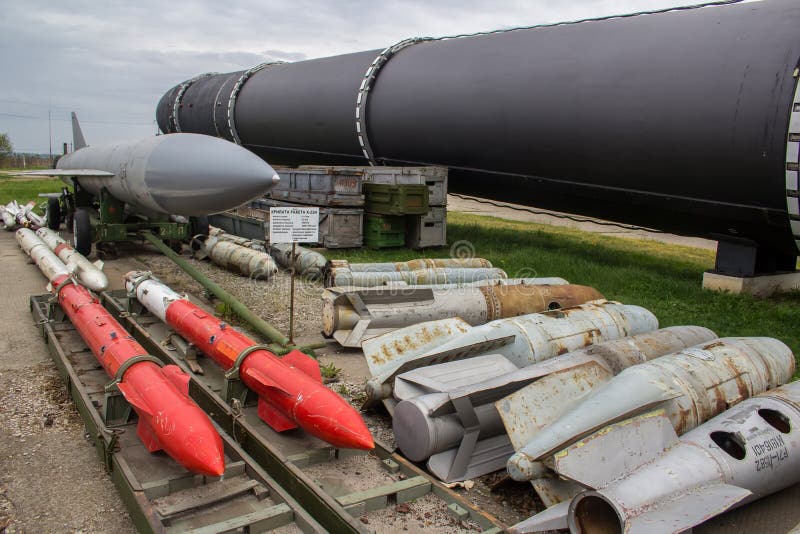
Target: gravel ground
(509,501)
(50,477)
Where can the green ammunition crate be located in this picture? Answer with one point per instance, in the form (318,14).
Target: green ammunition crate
(382,231)
(389,199)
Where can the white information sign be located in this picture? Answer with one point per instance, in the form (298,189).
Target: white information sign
(294,225)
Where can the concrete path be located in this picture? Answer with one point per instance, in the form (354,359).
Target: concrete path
(51,479)
(456,203)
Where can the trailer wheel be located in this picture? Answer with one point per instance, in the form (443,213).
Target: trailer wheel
(199,228)
(53,214)
(82,232)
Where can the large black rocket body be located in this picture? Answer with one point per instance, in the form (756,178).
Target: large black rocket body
(682,121)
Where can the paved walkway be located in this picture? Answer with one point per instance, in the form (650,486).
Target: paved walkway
(455,203)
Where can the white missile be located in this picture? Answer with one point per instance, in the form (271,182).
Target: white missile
(90,274)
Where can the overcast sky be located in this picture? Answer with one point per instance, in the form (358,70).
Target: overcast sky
(111,61)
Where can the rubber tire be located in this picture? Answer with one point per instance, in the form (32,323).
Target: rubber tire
(53,214)
(82,232)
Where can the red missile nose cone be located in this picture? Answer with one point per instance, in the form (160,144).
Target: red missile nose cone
(203,452)
(350,432)
(216,468)
(327,416)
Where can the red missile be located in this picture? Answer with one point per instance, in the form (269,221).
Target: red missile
(290,390)
(168,418)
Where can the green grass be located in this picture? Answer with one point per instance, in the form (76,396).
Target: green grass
(25,190)
(666,279)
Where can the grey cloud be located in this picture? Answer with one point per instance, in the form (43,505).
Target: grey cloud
(112,61)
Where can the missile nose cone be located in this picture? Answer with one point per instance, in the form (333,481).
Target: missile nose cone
(192,174)
(329,417)
(203,452)
(352,433)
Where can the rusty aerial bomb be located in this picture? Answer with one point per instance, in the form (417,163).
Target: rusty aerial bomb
(523,340)
(692,386)
(350,317)
(237,257)
(436,401)
(661,483)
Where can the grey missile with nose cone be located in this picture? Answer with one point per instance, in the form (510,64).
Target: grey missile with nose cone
(175,174)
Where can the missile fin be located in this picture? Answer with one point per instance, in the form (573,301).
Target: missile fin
(78,141)
(555,490)
(177,378)
(274,418)
(265,381)
(148,436)
(687,510)
(550,397)
(305,363)
(634,442)
(87,173)
(99,264)
(133,397)
(553,518)
(487,456)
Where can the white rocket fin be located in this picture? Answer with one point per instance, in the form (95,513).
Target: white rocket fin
(623,446)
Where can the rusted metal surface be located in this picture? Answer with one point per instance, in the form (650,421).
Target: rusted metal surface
(235,257)
(692,386)
(350,317)
(435,400)
(412,265)
(397,284)
(523,340)
(307,263)
(339,276)
(656,482)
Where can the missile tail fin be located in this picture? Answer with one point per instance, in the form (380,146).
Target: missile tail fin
(553,518)
(78,140)
(177,378)
(304,363)
(552,396)
(274,418)
(133,397)
(688,510)
(637,441)
(148,437)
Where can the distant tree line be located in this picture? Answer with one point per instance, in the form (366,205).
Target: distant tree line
(13,160)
